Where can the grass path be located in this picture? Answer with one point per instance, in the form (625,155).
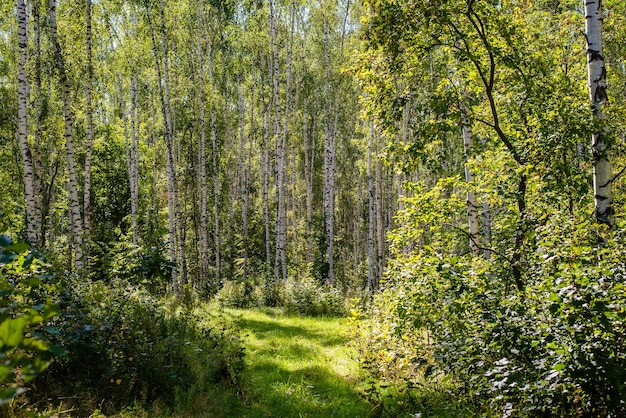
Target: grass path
(295,367)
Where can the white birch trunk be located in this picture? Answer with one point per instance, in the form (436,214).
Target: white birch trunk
(243,182)
(89,122)
(216,185)
(280,265)
(169,158)
(328,163)
(265,155)
(37,157)
(470,204)
(372,272)
(22,119)
(596,70)
(134,157)
(309,156)
(202,192)
(179,231)
(74,205)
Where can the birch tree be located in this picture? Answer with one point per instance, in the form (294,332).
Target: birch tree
(23,93)
(596,71)
(202,186)
(280,262)
(68,116)
(89,123)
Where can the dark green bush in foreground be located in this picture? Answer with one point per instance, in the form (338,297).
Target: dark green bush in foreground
(27,304)
(126,346)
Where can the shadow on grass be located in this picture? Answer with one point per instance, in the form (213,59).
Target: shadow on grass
(263,329)
(290,371)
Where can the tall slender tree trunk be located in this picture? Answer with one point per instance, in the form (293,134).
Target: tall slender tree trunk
(372,271)
(133,162)
(596,70)
(216,185)
(379,211)
(89,122)
(309,160)
(23,93)
(202,192)
(265,167)
(179,230)
(39,116)
(243,180)
(329,196)
(74,205)
(470,204)
(280,262)
(164,96)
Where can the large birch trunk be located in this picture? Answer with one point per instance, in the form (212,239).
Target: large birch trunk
(74,205)
(596,70)
(22,119)
(171,174)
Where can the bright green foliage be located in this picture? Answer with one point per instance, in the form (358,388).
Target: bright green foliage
(536,327)
(26,310)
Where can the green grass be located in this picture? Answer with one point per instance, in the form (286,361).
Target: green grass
(294,367)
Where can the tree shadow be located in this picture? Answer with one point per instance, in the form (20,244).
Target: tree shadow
(289,373)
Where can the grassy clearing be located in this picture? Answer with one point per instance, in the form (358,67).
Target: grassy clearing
(294,367)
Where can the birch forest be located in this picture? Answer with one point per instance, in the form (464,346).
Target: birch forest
(419,204)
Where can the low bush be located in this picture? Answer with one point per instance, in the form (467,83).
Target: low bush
(126,346)
(304,296)
(554,348)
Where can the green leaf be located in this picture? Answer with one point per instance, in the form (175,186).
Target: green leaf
(12,331)
(51,330)
(5,258)
(5,241)
(57,350)
(559,367)
(18,247)
(7,394)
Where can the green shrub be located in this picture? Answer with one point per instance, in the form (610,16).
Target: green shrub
(27,296)
(554,349)
(307,297)
(234,294)
(125,345)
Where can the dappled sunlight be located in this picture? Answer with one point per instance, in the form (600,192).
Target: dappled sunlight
(297,367)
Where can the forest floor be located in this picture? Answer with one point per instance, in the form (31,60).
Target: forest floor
(294,367)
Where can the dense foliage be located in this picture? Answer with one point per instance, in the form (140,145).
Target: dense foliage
(525,318)
(455,166)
